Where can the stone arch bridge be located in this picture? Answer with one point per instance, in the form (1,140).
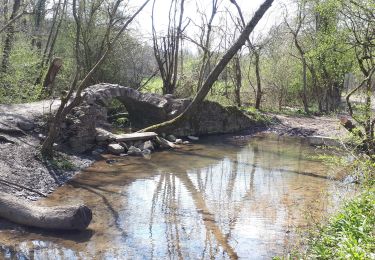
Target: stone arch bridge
(146,109)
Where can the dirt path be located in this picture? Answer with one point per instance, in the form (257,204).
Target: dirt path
(22,170)
(29,110)
(328,126)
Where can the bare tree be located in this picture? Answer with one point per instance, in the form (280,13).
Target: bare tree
(255,50)
(302,53)
(166,48)
(223,62)
(205,40)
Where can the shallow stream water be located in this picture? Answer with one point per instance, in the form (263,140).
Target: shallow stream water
(223,198)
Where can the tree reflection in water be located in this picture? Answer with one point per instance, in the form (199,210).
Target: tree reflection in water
(214,200)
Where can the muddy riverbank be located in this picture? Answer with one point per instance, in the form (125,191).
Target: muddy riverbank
(25,174)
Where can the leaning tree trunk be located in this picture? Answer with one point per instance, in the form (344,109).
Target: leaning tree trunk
(212,77)
(76,217)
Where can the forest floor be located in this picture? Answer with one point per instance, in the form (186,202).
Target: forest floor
(24,173)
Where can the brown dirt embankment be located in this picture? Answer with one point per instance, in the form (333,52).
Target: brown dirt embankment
(22,170)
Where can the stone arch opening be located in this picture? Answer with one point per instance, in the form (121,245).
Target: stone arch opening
(118,117)
(142,109)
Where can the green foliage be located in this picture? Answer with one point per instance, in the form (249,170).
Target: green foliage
(350,233)
(155,85)
(17,85)
(116,107)
(61,162)
(121,122)
(258,116)
(329,54)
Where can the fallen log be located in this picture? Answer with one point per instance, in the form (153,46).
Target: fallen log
(76,217)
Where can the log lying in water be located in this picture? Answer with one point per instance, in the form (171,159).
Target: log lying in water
(76,217)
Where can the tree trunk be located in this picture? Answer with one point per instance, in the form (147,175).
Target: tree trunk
(166,50)
(259,83)
(238,84)
(76,217)
(50,77)
(304,93)
(212,77)
(9,38)
(39,17)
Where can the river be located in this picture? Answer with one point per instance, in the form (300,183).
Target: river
(223,198)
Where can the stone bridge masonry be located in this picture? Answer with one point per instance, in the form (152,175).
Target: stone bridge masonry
(146,109)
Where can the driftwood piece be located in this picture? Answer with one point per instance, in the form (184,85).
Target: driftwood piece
(76,217)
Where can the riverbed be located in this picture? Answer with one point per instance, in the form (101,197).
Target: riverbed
(223,198)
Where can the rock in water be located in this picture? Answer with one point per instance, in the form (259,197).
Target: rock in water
(103,135)
(115,149)
(193,138)
(126,148)
(148,145)
(178,141)
(134,151)
(110,161)
(171,138)
(146,151)
(164,143)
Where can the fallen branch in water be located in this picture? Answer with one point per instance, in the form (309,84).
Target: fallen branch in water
(76,217)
